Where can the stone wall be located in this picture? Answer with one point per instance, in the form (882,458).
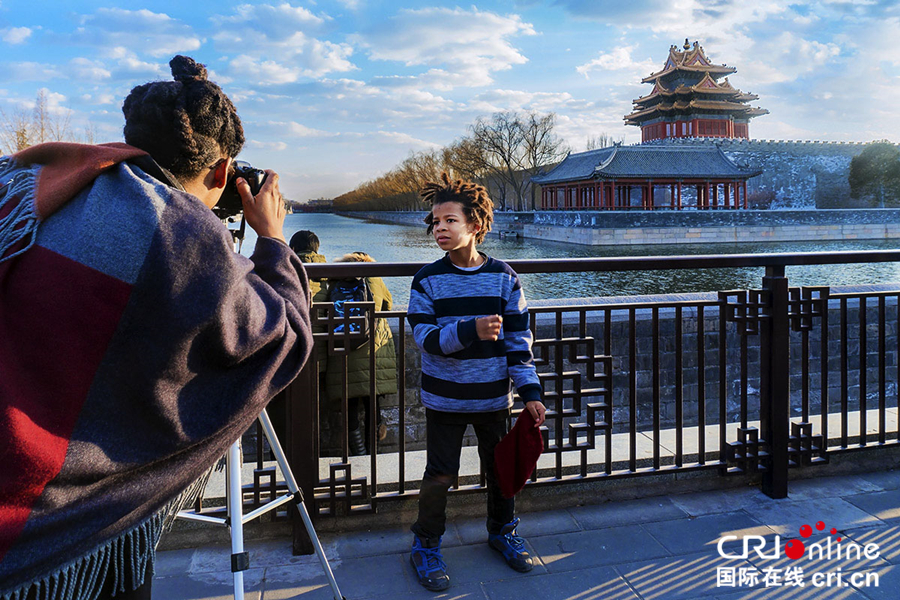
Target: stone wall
(684,227)
(795,174)
(691,375)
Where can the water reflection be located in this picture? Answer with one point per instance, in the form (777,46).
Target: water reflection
(399,243)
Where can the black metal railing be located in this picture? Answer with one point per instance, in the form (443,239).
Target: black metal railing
(738,381)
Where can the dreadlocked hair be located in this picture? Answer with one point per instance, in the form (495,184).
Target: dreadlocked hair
(185,124)
(473,198)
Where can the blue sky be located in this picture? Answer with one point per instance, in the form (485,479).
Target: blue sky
(334,92)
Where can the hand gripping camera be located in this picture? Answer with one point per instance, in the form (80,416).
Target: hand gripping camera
(230,204)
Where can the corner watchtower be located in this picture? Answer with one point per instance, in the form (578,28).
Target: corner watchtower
(688,100)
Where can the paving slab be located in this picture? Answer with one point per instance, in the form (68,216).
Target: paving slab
(479,563)
(887,538)
(283,583)
(384,541)
(210,585)
(888,584)
(806,592)
(886,480)
(678,578)
(470,591)
(831,487)
(703,533)
(474,531)
(718,501)
(586,549)
(786,516)
(883,505)
(823,554)
(629,512)
(600,583)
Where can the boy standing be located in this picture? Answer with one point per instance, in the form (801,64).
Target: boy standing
(470,320)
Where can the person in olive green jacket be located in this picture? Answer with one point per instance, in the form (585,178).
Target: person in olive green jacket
(358,384)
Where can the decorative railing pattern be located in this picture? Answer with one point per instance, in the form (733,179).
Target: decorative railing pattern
(741,381)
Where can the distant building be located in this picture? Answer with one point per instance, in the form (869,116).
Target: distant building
(319,205)
(688,100)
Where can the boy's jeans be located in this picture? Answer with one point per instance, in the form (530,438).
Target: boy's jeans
(444,443)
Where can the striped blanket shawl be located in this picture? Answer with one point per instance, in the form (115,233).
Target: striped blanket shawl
(135,346)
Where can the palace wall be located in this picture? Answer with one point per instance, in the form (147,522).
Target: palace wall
(796,174)
(598,228)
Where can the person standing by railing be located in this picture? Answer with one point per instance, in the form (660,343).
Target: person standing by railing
(357,368)
(135,344)
(470,321)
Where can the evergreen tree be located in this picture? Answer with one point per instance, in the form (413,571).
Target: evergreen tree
(875,174)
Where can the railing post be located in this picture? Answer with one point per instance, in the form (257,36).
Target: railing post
(774,376)
(302,401)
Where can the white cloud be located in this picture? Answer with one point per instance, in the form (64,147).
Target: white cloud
(88,71)
(280,43)
(276,146)
(289,129)
(619,59)
(393,138)
(31,71)
(785,58)
(463,48)
(156,34)
(684,17)
(15,35)
(98,99)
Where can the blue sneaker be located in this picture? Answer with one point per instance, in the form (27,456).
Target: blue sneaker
(429,564)
(512,547)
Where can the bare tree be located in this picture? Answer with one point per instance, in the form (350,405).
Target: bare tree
(543,147)
(502,153)
(501,139)
(602,140)
(22,129)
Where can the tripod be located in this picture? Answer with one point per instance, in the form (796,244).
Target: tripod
(235,517)
(240,560)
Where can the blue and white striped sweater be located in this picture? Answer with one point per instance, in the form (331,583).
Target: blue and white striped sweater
(461,373)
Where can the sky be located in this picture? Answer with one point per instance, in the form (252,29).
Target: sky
(335,92)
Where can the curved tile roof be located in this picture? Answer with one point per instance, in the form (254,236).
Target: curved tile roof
(647,161)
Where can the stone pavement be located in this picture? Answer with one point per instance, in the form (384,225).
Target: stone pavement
(655,548)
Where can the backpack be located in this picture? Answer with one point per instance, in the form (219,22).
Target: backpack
(351,290)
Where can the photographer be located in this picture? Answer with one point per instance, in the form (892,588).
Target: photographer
(135,344)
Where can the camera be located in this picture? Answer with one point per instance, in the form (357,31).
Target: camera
(230,203)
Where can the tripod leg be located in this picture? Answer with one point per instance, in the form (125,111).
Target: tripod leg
(234,499)
(298,499)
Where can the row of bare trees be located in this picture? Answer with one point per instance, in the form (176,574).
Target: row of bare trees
(502,152)
(23,128)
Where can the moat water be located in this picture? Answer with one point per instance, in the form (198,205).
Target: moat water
(402,243)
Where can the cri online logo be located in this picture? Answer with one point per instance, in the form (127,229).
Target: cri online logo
(795,549)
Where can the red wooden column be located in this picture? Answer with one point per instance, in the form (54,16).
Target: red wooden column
(706,196)
(726,196)
(745,194)
(679,195)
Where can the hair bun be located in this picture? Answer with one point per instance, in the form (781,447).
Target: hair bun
(185,69)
